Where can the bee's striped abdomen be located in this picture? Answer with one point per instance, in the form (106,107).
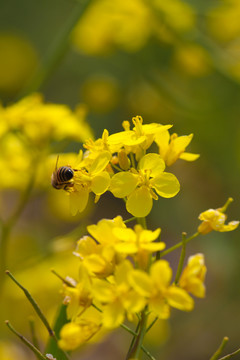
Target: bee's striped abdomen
(64,174)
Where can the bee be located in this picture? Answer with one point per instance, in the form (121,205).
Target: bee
(62,177)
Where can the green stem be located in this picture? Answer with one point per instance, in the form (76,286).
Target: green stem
(136,349)
(220,349)
(38,354)
(133,339)
(57,49)
(229,356)
(182,257)
(129,220)
(35,305)
(142,221)
(152,323)
(178,245)
(33,332)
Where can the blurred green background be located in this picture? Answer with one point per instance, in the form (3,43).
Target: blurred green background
(171,62)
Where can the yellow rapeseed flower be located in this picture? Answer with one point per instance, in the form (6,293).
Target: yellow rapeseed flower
(77,333)
(139,139)
(138,243)
(214,219)
(193,276)
(95,179)
(138,186)
(99,256)
(117,297)
(158,291)
(173,147)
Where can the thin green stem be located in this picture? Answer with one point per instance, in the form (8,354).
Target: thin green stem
(142,221)
(152,323)
(182,257)
(136,348)
(62,279)
(38,354)
(220,349)
(33,332)
(34,305)
(229,356)
(133,339)
(57,49)
(178,245)
(129,220)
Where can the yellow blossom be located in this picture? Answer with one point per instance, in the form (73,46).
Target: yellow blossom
(138,242)
(77,333)
(158,291)
(193,276)
(214,219)
(57,122)
(138,186)
(95,179)
(139,139)
(99,257)
(78,297)
(117,296)
(173,147)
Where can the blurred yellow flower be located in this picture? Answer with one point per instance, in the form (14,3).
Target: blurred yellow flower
(192,59)
(100,93)
(77,333)
(193,276)
(118,23)
(214,219)
(223,20)
(18,61)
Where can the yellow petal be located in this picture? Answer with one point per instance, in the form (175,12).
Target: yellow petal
(152,162)
(166,185)
(179,298)
(113,315)
(141,282)
(100,162)
(189,156)
(78,199)
(161,273)
(100,183)
(123,183)
(148,235)
(232,225)
(139,203)
(153,246)
(103,291)
(159,307)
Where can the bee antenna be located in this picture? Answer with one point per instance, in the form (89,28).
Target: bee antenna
(56,163)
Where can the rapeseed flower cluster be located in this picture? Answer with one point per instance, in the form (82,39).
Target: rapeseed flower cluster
(29,132)
(118,280)
(122,272)
(120,163)
(123,24)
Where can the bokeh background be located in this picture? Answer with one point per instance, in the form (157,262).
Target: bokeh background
(172,62)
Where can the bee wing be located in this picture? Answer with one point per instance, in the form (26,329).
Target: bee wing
(78,199)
